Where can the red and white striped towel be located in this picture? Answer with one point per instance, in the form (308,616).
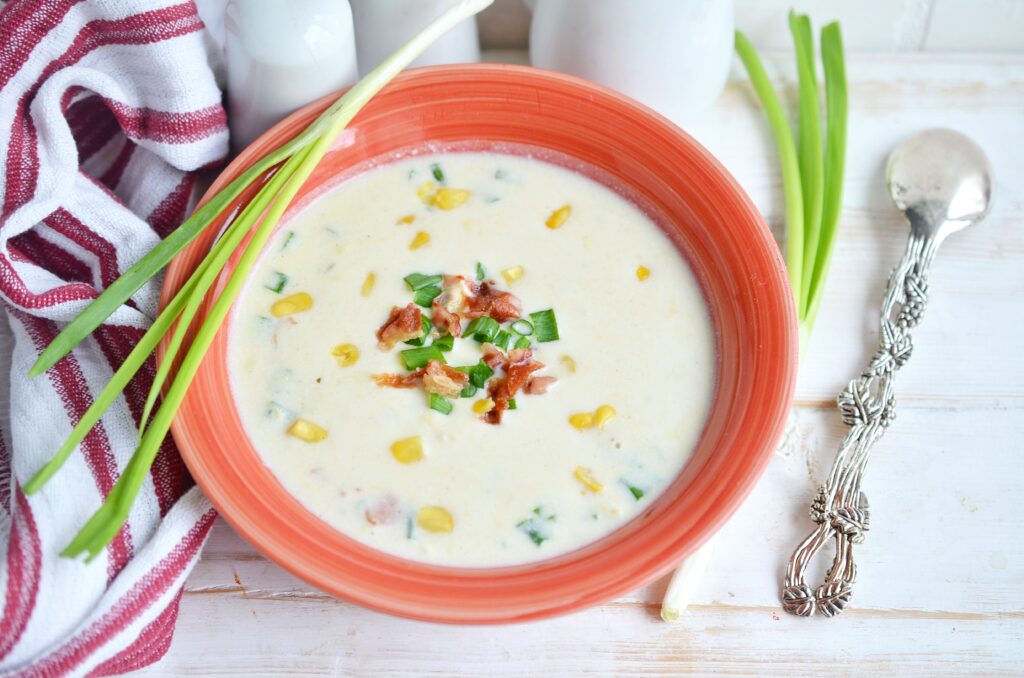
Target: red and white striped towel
(109,109)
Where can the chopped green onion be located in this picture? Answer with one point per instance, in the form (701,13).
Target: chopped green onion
(408,527)
(277,283)
(440,404)
(288,239)
(500,174)
(425,296)
(480,272)
(637,493)
(522,342)
(501,339)
(427,326)
(512,404)
(468,391)
(415,358)
(417,281)
(522,327)
(478,374)
(534,526)
(483,329)
(545,327)
(445,343)
(435,169)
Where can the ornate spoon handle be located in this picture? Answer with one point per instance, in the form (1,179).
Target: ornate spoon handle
(867,407)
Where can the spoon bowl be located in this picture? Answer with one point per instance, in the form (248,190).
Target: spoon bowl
(942,181)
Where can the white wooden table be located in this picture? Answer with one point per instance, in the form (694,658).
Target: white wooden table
(941,587)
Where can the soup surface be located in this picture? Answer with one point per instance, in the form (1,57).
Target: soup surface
(522,454)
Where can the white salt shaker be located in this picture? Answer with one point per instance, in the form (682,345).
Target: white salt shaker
(282,55)
(672,55)
(382,26)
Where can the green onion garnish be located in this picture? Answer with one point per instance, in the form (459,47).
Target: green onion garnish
(277,283)
(522,327)
(440,404)
(417,281)
(478,374)
(545,327)
(501,339)
(445,343)
(522,342)
(637,493)
(415,358)
(425,296)
(288,240)
(512,404)
(534,528)
(468,392)
(435,169)
(480,272)
(427,326)
(483,329)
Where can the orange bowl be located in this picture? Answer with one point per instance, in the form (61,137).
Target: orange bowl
(681,187)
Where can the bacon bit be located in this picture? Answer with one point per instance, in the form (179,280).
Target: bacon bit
(446,320)
(443,380)
(385,511)
(538,385)
(517,371)
(498,394)
(493,356)
(402,325)
(410,380)
(496,303)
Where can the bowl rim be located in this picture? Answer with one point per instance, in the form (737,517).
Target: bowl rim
(726,502)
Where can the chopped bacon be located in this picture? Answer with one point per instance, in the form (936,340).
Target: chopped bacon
(445,319)
(402,325)
(493,356)
(497,392)
(538,385)
(444,380)
(386,511)
(519,355)
(410,380)
(496,303)
(517,371)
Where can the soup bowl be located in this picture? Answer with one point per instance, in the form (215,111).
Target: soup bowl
(682,188)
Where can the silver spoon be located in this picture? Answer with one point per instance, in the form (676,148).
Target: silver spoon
(942,182)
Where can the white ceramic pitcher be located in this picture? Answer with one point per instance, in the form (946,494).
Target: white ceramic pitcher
(672,55)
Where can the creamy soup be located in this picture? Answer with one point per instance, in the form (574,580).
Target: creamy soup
(585,356)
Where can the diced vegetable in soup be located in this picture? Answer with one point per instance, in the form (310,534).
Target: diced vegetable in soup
(473,359)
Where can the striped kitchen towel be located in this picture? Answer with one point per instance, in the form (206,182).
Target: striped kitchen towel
(110,116)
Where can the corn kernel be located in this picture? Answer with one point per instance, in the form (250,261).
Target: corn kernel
(345,354)
(483,406)
(407,219)
(587,479)
(449,198)
(426,192)
(435,519)
(642,273)
(603,415)
(419,240)
(303,429)
(293,303)
(407,450)
(368,283)
(582,420)
(570,364)
(558,217)
(513,273)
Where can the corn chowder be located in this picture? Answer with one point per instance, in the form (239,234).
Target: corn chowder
(473,359)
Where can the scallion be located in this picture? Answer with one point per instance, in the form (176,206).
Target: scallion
(277,282)
(545,326)
(435,169)
(445,343)
(478,374)
(415,358)
(522,327)
(425,296)
(440,404)
(417,281)
(522,342)
(512,404)
(468,391)
(501,340)
(480,272)
(483,329)
(427,326)
(637,493)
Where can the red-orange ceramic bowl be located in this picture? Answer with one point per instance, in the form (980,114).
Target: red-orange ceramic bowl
(680,186)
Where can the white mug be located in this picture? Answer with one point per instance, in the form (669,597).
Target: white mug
(672,55)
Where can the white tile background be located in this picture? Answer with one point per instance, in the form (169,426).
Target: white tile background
(868,25)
